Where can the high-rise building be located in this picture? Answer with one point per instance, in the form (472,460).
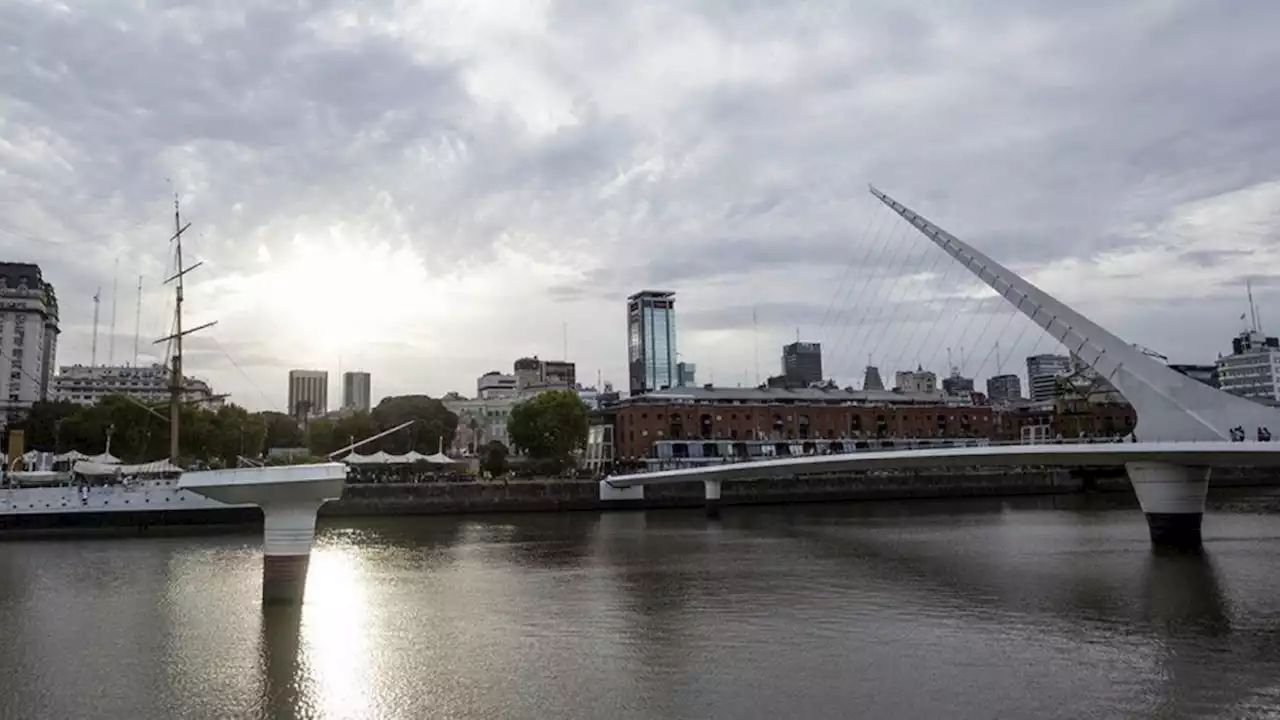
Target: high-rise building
(28,337)
(559,372)
(957,385)
(357,391)
(651,340)
(802,363)
(530,372)
(686,374)
(308,393)
(1043,372)
(1004,388)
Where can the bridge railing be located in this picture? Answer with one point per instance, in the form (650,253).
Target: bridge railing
(894,445)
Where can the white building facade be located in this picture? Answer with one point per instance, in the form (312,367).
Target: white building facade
(494,384)
(1253,369)
(915,381)
(86,385)
(481,421)
(28,337)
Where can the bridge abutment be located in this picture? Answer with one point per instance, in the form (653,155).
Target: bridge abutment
(712,490)
(1172,498)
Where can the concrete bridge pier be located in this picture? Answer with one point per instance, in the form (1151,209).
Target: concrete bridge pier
(1172,498)
(290,497)
(712,490)
(288,530)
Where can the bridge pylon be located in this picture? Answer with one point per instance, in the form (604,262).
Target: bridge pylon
(1170,406)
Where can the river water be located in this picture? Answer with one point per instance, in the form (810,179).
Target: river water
(977,609)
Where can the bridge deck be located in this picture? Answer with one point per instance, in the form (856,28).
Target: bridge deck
(1196,454)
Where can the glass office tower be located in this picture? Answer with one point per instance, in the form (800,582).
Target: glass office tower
(651,340)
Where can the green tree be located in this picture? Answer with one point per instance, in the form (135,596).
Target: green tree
(433,424)
(550,426)
(494,458)
(328,435)
(282,431)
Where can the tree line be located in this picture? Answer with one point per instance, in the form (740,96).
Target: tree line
(549,427)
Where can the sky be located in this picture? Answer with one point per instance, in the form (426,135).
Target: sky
(428,190)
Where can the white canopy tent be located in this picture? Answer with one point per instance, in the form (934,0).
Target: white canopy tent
(159,467)
(105,458)
(72,456)
(383,458)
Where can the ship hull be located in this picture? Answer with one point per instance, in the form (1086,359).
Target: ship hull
(94,522)
(149,505)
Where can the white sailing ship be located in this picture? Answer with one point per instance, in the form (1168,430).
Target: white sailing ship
(100,491)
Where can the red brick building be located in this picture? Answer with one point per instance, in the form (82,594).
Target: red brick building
(748,414)
(777,415)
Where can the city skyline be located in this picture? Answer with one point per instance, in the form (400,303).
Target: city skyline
(733,186)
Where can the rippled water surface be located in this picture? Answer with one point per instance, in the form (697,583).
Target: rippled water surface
(965,610)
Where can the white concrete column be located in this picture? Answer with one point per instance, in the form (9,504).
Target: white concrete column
(609,493)
(712,490)
(288,530)
(1172,498)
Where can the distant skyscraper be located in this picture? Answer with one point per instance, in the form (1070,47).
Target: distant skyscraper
(308,393)
(1004,388)
(686,374)
(357,390)
(651,340)
(1043,372)
(872,380)
(559,372)
(956,385)
(802,363)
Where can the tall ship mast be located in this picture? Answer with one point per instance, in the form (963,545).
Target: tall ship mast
(176,380)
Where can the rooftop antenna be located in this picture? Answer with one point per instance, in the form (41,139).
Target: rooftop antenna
(93,352)
(950,365)
(137,322)
(999,362)
(1253,309)
(111,339)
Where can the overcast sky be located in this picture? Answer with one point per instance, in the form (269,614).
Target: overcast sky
(428,190)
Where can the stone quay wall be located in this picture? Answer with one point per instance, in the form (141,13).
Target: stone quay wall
(554,494)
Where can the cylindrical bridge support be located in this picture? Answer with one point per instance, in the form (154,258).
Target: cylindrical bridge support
(1172,498)
(288,530)
(712,488)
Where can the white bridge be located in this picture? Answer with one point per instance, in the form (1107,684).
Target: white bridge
(1183,430)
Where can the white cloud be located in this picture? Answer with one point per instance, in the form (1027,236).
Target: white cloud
(429,190)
